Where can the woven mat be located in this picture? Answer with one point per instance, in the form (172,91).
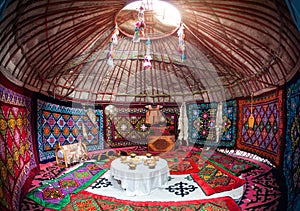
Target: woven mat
(214,179)
(55,194)
(234,165)
(88,201)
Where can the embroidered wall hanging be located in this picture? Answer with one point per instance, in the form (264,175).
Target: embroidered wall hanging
(17,159)
(202,124)
(129,127)
(291,164)
(67,125)
(266,136)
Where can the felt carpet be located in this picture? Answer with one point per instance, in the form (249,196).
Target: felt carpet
(180,162)
(262,191)
(213,179)
(234,165)
(88,201)
(266,137)
(47,172)
(18,163)
(129,125)
(56,193)
(58,124)
(178,188)
(202,123)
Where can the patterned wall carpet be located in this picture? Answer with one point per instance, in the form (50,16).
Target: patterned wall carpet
(265,138)
(291,165)
(62,125)
(17,160)
(129,126)
(202,120)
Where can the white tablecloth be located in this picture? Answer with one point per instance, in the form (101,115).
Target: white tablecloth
(142,180)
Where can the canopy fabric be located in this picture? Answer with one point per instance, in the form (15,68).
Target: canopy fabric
(231,49)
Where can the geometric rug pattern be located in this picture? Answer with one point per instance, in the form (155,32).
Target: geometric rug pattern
(87,201)
(211,177)
(265,138)
(291,165)
(261,191)
(17,160)
(264,189)
(55,194)
(128,127)
(202,119)
(63,125)
(232,164)
(214,179)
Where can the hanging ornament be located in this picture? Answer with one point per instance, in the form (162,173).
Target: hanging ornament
(147,58)
(139,26)
(110,60)
(181,42)
(142,29)
(148,43)
(147,62)
(112,43)
(114,36)
(141,13)
(136,36)
(251,117)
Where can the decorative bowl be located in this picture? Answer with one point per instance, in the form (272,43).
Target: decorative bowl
(132,155)
(152,165)
(132,166)
(136,160)
(123,159)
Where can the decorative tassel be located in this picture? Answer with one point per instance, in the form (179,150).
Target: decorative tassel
(112,43)
(141,13)
(147,58)
(181,42)
(136,36)
(147,63)
(251,117)
(139,26)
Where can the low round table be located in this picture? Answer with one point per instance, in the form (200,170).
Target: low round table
(142,180)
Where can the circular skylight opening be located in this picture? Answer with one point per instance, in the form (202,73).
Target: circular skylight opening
(155,19)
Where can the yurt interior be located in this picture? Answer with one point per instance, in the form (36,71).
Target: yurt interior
(157,105)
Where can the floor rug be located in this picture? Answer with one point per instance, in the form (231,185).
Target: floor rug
(47,172)
(213,179)
(262,190)
(185,166)
(88,201)
(180,161)
(178,188)
(265,189)
(234,165)
(55,194)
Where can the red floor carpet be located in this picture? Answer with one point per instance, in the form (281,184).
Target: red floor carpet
(263,189)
